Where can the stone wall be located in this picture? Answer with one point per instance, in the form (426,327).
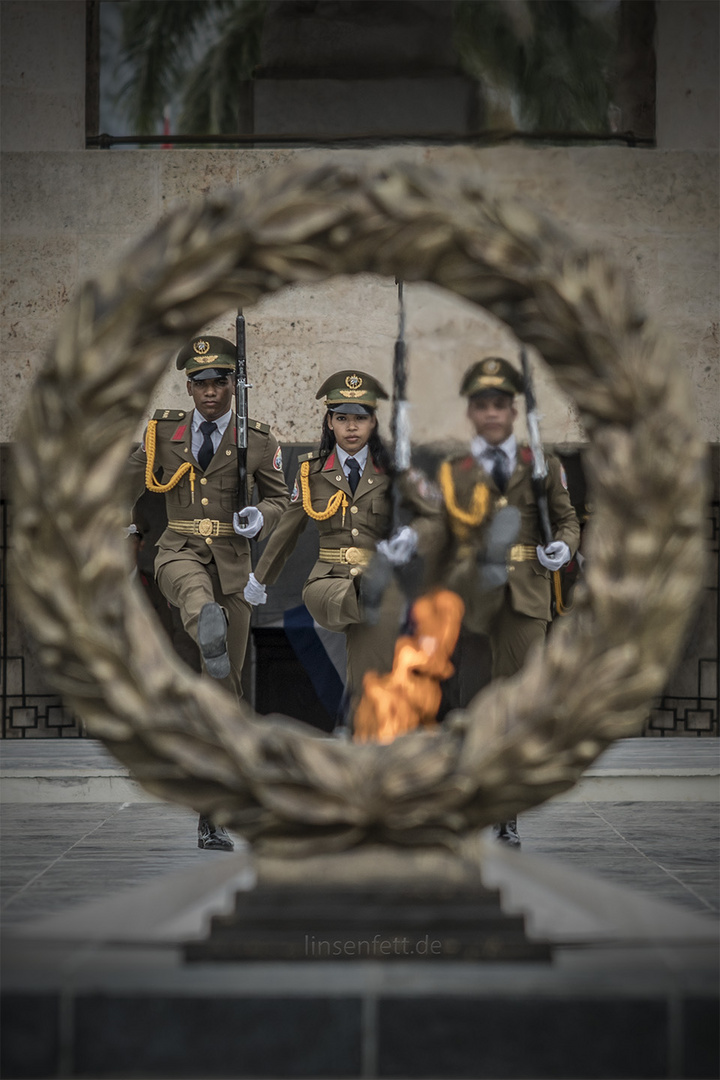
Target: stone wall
(68,215)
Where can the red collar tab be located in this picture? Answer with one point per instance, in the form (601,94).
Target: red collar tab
(179,433)
(330,463)
(468,462)
(526,455)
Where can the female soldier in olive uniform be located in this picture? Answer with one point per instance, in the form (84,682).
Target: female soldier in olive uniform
(345,488)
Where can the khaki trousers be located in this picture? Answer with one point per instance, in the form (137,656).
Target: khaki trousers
(189,585)
(333,603)
(512,636)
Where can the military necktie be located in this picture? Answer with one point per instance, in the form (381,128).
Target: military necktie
(206,451)
(500,468)
(354,474)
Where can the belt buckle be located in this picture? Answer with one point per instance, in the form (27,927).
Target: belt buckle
(205,527)
(353,555)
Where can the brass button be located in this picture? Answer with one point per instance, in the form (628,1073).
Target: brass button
(354,571)
(510,569)
(355,532)
(353,509)
(501,502)
(208,539)
(203,480)
(205,502)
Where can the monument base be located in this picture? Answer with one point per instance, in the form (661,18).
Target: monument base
(369,903)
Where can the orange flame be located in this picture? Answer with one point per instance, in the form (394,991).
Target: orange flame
(410,694)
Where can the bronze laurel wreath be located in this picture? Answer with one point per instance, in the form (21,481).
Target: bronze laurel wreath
(521,741)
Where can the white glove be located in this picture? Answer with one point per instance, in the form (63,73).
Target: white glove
(254,522)
(554,555)
(254,592)
(401,547)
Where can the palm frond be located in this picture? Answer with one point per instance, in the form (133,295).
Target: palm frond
(157,43)
(556,66)
(211,95)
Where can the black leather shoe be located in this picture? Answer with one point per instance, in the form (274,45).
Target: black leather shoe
(213,837)
(507,833)
(212,639)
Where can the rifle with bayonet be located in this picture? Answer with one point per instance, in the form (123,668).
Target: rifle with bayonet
(241,410)
(380,572)
(539,464)
(539,475)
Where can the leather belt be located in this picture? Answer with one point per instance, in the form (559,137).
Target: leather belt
(202,527)
(354,556)
(522,553)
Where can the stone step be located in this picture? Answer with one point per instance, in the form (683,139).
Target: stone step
(632,770)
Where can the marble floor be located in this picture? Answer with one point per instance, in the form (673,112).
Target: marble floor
(53,856)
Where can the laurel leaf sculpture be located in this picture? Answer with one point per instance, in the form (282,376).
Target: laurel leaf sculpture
(521,741)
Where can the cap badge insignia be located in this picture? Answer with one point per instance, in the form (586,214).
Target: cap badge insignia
(353,382)
(491,366)
(201,347)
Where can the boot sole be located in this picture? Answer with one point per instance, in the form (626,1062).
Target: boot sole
(212,639)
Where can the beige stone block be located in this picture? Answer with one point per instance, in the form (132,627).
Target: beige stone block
(20,369)
(599,187)
(189,175)
(42,122)
(83,192)
(698,349)
(689,276)
(38,276)
(100,252)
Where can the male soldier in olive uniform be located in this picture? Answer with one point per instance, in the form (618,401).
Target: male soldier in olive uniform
(345,487)
(203,559)
(497,474)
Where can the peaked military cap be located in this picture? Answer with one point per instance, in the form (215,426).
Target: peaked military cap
(492,373)
(351,392)
(205,355)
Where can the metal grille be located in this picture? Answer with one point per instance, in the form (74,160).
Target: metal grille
(27,710)
(689,705)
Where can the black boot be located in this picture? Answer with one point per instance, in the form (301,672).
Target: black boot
(507,833)
(212,639)
(213,837)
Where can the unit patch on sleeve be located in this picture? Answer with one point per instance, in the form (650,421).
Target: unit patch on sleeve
(295,492)
(277,460)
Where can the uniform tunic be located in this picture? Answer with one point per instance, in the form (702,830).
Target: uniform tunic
(193,570)
(514,616)
(330,592)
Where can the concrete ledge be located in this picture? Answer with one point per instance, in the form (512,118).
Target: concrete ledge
(632,770)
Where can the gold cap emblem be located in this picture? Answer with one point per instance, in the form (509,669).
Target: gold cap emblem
(491,366)
(201,347)
(353,382)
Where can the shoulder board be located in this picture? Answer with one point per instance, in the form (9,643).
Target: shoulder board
(170,414)
(311,456)
(257,425)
